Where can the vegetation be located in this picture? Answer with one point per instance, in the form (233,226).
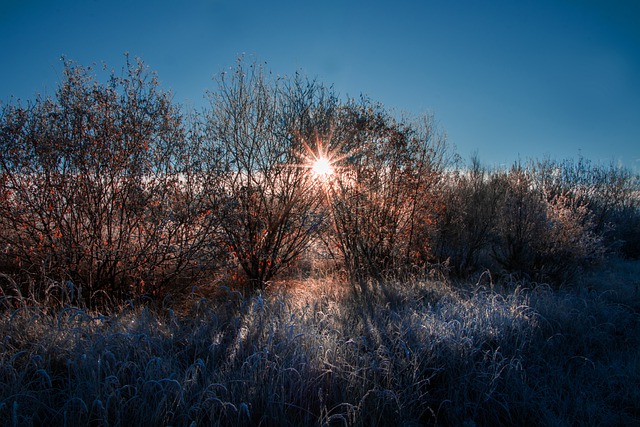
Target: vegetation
(169,267)
(424,353)
(271,205)
(100,192)
(109,191)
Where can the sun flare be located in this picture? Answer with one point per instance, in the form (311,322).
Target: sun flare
(322,167)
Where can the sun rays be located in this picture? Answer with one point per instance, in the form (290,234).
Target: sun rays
(321,162)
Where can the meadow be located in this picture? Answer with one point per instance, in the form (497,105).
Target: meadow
(286,257)
(413,352)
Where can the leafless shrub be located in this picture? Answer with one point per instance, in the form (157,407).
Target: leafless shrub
(97,189)
(465,225)
(609,192)
(270,210)
(570,242)
(382,197)
(521,220)
(529,219)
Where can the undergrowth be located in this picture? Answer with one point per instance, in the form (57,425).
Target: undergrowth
(413,353)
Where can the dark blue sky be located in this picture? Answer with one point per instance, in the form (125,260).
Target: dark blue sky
(508,79)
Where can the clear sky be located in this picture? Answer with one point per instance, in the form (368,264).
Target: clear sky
(508,79)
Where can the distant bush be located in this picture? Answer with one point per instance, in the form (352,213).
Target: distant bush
(610,193)
(466,224)
(569,243)
(546,220)
(626,228)
(521,220)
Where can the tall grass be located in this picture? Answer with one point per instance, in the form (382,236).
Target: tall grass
(413,353)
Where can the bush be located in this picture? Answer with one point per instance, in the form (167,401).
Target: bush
(270,210)
(382,198)
(528,219)
(97,188)
(547,235)
(521,220)
(609,192)
(569,243)
(466,225)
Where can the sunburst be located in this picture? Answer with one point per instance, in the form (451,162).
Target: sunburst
(323,159)
(320,161)
(322,167)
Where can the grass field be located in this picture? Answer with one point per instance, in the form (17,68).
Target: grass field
(413,352)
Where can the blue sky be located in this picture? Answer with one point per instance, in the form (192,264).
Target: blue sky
(508,79)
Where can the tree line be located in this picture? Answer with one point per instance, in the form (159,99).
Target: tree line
(111,190)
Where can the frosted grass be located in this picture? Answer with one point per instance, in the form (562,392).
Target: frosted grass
(412,353)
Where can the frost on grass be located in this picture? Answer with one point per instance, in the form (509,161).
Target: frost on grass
(417,353)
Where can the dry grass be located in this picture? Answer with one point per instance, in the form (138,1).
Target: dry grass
(411,353)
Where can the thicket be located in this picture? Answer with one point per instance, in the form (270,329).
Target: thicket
(110,190)
(101,191)
(546,220)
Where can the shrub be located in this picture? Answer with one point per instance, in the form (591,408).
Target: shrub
(466,224)
(542,232)
(270,209)
(609,192)
(381,198)
(97,189)
(569,242)
(521,220)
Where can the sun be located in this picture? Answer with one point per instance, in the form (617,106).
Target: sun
(322,168)
(321,162)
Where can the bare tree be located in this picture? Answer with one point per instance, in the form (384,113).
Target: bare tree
(270,209)
(381,194)
(97,194)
